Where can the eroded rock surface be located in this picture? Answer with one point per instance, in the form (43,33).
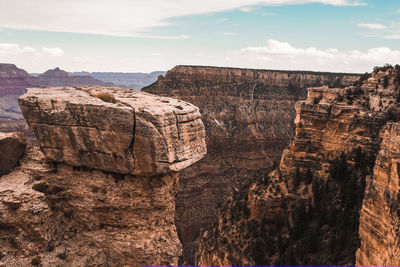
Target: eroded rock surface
(380,215)
(68,216)
(102,193)
(12,148)
(307,211)
(248,116)
(139,134)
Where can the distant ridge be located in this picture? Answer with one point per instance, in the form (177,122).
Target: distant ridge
(271,70)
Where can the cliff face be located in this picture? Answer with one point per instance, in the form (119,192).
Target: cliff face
(78,202)
(380,215)
(248,115)
(307,211)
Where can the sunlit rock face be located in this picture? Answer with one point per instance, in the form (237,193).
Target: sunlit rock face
(100,190)
(248,116)
(379,217)
(346,141)
(139,134)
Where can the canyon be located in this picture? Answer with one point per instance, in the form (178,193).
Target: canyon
(333,199)
(248,116)
(100,188)
(134,80)
(301,168)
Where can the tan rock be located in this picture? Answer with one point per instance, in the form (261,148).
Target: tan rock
(12,148)
(379,217)
(248,116)
(74,217)
(140,134)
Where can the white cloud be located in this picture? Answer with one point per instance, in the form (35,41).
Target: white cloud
(246,9)
(7,49)
(121,17)
(57,52)
(228,33)
(35,59)
(372,26)
(277,54)
(392,36)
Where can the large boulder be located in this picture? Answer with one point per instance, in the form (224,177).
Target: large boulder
(115,129)
(12,148)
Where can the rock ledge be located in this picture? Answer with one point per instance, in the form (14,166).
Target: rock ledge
(140,134)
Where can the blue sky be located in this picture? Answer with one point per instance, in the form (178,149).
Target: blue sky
(148,35)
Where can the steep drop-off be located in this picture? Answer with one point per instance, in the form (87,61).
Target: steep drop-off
(248,115)
(101,190)
(308,210)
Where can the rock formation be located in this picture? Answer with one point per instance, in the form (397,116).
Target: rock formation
(380,215)
(102,193)
(12,148)
(248,115)
(307,211)
(138,134)
(14,81)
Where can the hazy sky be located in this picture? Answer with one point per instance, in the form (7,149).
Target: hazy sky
(148,35)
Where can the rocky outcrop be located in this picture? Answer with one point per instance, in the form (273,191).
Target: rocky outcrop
(62,208)
(14,81)
(379,218)
(316,193)
(248,115)
(138,134)
(12,148)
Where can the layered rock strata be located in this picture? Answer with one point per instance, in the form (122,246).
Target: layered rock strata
(63,207)
(315,195)
(12,148)
(248,115)
(139,134)
(380,215)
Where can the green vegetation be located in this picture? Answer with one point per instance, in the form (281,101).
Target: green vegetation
(325,231)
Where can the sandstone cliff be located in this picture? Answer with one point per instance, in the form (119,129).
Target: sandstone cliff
(101,192)
(380,215)
(248,115)
(307,211)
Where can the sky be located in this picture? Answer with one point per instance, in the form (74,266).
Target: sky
(151,35)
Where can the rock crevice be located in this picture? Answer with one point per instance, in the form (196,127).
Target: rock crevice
(101,189)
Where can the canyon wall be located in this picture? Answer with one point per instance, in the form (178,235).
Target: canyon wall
(380,214)
(101,189)
(307,211)
(248,115)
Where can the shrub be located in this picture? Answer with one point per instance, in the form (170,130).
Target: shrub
(106,97)
(36,261)
(40,187)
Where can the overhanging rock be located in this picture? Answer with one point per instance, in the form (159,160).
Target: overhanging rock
(139,134)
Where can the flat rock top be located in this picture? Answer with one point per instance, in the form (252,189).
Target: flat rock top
(128,132)
(124,97)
